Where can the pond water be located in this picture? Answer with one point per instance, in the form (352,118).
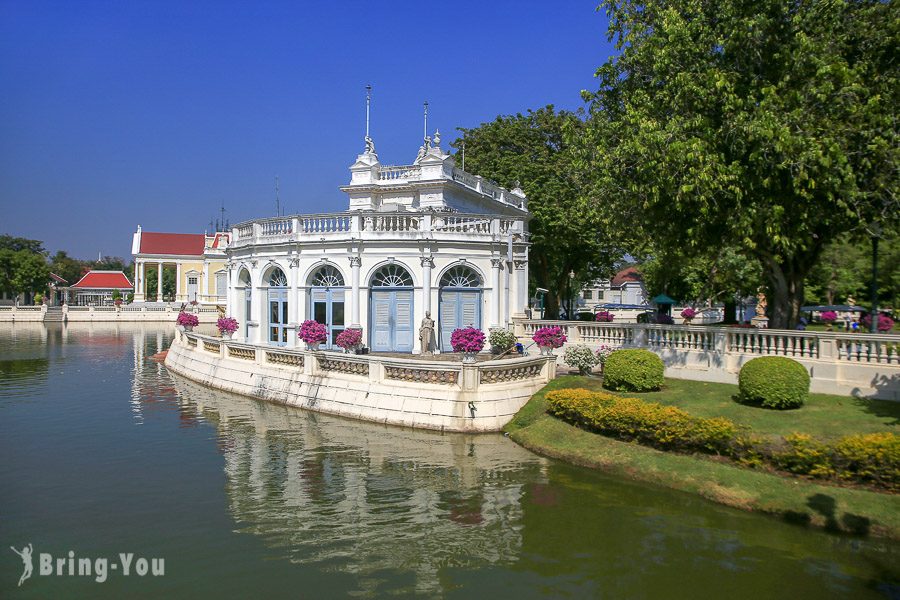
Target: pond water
(104,452)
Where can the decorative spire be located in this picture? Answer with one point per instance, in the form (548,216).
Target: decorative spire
(370,143)
(425,128)
(437,138)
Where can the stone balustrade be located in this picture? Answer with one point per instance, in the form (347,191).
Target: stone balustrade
(375,225)
(434,394)
(853,363)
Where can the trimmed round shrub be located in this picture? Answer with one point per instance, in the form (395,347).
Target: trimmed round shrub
(773,382)
(633,370)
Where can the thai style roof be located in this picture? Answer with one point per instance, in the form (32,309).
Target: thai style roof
(179,244)
(626,275)
(56,278)
(104,280)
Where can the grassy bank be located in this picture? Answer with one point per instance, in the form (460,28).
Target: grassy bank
(795,499)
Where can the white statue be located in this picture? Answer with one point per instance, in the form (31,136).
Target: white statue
(426,334)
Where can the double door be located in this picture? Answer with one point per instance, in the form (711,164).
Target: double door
(458,308)
(278,316)
(391,320)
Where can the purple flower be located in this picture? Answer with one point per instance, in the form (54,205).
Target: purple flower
(604,316)
(829,316)
(349,338)
(467,339)
(187,320)
(552,337)
(227,324)
(312,332)
(688,313)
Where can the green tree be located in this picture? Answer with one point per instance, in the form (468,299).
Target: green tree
(31,272)
(168,283)
(8,242)
(70,269)
(766,125)
(533,151)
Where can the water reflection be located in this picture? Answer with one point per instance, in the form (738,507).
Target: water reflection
(365,499)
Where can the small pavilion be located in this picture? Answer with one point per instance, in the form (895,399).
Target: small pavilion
(96,288)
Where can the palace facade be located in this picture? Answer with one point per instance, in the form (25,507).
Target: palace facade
(420,238)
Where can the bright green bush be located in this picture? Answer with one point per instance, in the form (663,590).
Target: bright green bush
(871,458)
(633,370)
(773,382)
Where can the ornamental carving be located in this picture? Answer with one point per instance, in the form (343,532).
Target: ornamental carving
(242,353)
(355,261)
(283,358)
(426,261)
(211,346)
(510,374)
(496,263)
(344,366)
(192,342)
(421,375)
(520,264)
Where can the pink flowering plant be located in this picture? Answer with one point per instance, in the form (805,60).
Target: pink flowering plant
(187,319)
(885,322)
(604,316)
(602,353)
(688,313)
(829,316)
(312,332)
(467,339)
(227,325)
(349,338)
(549,337)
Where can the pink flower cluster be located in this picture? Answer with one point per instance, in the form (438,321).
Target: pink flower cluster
(187,319)
(227,324)
(829,316)
(312,332)
(688,313)
(349,338)
(467,339)
(552,337)
(604,316)
(885,323)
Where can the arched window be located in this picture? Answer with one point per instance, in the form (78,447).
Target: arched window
(327,276)
(277,278)
(244,277)
(461,277)
(392,276)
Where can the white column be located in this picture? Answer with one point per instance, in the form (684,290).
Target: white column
(427,265)
(204,282)
(293,302)
(178,297)
(355,263)
(257,307)
(496,263)
(159,269)
(143,287)
(521,267)
(506,283)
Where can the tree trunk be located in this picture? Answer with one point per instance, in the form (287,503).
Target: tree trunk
(730,311)
(785,292)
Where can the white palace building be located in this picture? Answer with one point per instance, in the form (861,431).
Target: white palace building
(420,238)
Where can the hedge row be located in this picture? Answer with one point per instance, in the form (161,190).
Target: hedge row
(872,458)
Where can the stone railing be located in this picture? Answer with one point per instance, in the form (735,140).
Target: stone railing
(383,369)
(858,363)
(399,172)
(487,187)
(377,225)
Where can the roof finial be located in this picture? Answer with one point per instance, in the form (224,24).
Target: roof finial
(425,128)
(370,144)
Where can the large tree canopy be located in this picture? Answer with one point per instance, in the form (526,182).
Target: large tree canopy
(769,124)
(567,235)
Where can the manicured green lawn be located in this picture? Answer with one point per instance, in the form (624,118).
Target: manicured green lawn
(793,498)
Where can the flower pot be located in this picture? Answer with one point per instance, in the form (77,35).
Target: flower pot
(313,345)
(188,327)
(226,335)
(469,357)
(546,350)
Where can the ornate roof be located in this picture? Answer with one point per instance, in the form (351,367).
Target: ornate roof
(104,280)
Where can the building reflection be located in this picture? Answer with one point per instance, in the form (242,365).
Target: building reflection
(367,499)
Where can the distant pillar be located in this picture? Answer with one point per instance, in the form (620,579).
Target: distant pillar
(496,293)
(159,269)
(427,265)
(293,302)
(521,281)
(355,263)
(178,282)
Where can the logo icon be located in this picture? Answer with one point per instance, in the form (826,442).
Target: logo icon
(25,553)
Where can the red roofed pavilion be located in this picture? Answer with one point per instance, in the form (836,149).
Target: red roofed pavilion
(96,288)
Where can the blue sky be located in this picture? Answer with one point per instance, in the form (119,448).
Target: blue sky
(114,114)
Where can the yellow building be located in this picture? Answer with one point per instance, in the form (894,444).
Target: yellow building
(198,260)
